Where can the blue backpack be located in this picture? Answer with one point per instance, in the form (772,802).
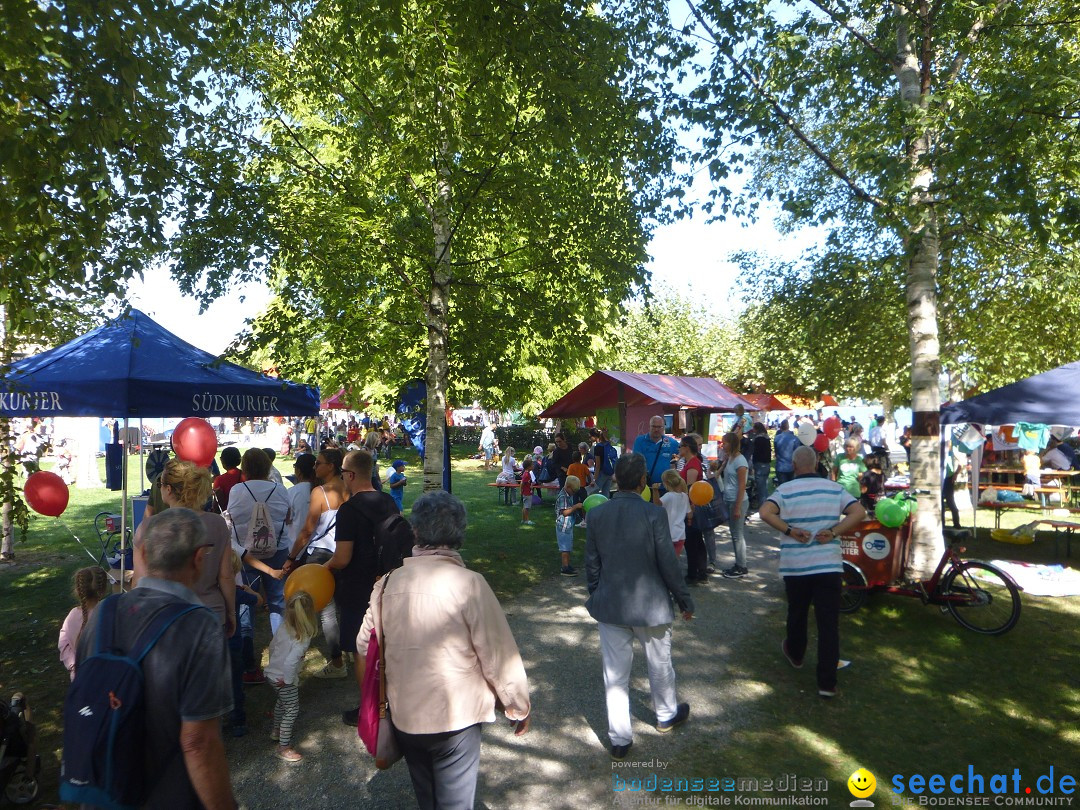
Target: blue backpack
(607,463)
(104,716)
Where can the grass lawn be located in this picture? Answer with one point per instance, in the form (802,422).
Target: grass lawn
(923,696)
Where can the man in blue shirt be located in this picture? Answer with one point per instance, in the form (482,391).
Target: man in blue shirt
(657,449)
(785,444)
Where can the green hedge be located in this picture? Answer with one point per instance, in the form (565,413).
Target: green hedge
(522,438)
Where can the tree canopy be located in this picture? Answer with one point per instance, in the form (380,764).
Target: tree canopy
(938,142)
(456,191)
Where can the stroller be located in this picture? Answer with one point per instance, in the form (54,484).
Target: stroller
(19,763)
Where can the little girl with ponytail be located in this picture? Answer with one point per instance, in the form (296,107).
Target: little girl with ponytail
(91,586)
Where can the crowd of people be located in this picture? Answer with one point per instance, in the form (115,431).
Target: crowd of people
(233,561)
(748,466)
(227,544)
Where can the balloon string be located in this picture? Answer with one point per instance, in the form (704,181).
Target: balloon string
(80,542)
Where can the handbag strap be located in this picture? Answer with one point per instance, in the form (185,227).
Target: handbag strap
(382,652)
(659,449)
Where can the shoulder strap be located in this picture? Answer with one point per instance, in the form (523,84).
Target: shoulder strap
(382,650)
(106,624)
(652,469)
(161,622)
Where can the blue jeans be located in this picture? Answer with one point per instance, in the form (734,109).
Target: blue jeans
(761,480)
(603,484)
(735,526)
(274,588)
(784,477)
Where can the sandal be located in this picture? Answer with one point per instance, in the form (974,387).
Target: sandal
(288,755)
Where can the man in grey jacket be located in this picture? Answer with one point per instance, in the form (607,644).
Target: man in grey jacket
(632,575)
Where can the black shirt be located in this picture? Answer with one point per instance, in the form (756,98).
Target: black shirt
(561,457)
(762,449)
(356,522)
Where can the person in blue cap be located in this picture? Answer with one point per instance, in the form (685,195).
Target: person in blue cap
(396,482)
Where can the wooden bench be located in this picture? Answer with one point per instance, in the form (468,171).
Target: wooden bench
(1023,507)
(1062,527)
(504,490)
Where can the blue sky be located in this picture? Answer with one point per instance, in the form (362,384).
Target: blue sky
(690,257)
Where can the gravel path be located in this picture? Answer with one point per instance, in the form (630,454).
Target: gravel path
(563,762)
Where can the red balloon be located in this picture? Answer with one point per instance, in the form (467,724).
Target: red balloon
(195,440)
(821,443)
(832,427)
(46,493)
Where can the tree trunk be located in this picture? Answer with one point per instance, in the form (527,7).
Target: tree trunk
(7,453)
(437,314)
(923,255)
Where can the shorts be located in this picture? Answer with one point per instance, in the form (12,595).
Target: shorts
(565,540)
(489,452)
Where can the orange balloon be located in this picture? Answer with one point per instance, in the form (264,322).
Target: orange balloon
(701,493)
(316,580)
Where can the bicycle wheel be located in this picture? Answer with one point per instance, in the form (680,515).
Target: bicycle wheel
(991,602)
(853,593)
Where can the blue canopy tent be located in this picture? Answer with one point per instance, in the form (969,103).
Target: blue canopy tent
(1050,398)
(134,367)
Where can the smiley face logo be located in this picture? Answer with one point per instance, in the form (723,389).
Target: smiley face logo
(861,783)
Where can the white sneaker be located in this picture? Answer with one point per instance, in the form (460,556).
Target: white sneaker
(332,672)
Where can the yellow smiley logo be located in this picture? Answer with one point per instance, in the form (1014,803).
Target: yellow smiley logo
(861,783)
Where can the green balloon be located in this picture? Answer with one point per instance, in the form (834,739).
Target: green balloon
(593,500)
(906,503)
(890,513)
(646,494)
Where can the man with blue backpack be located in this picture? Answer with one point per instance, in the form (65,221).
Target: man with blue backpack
(142,719)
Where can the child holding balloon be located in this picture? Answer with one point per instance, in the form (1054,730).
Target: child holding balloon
(676,503)
(287,650)
(566,510)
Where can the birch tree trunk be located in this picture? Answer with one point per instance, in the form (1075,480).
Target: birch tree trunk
(437,311)
(923,250)
(7,450)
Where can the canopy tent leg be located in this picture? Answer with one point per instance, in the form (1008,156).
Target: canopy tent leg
(124,501)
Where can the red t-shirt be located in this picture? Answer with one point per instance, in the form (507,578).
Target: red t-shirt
(526,484)
(224,483)
(693,464)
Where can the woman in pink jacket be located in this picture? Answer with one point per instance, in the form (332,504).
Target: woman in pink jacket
(449,655)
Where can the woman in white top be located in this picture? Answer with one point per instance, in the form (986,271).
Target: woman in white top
(255,465)
(509,468)
(300,493)
(734,473)
(315,544)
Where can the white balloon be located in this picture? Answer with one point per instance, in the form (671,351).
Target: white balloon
(807,433)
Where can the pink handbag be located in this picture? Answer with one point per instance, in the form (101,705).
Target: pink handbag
(373,723)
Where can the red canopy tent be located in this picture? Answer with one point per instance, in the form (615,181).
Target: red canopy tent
(639,396)
(341,401)
(765,402)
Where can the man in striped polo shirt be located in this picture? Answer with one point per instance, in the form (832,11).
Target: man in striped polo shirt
(807,510)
